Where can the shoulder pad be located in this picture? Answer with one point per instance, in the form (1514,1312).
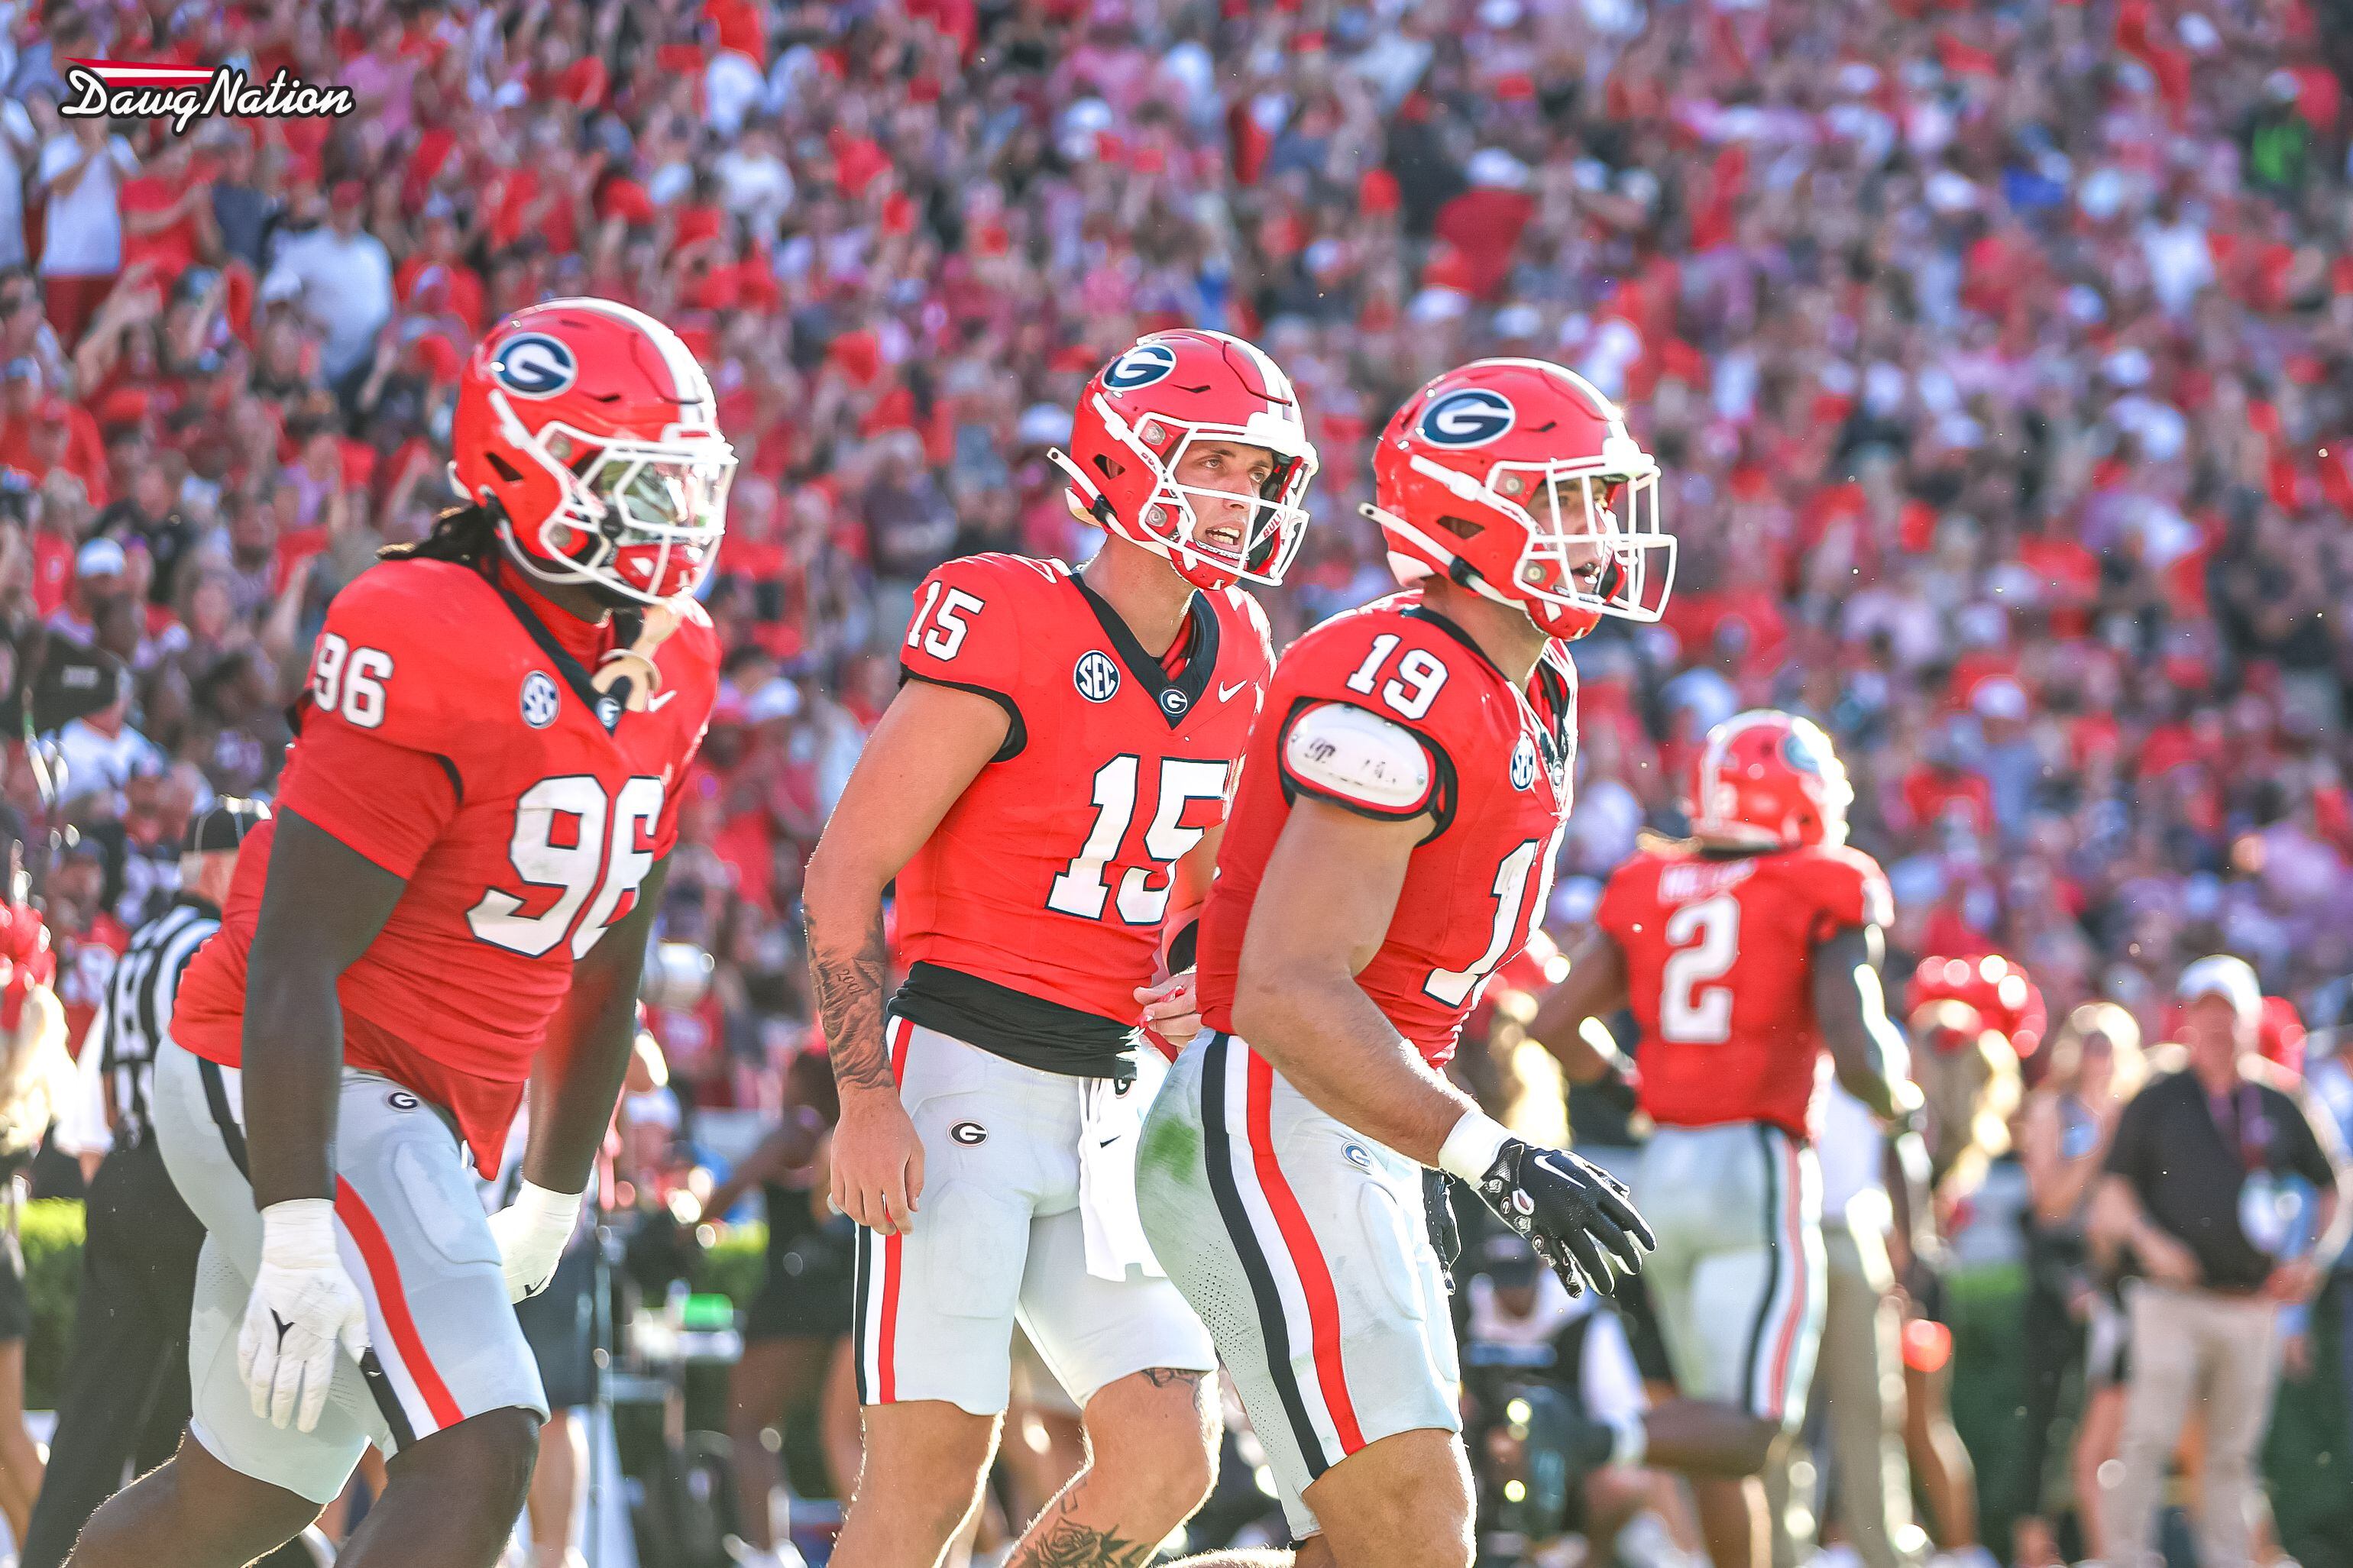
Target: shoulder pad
(1847,885)
(1358,759)
(965,629)
(399,641)
(1397,665)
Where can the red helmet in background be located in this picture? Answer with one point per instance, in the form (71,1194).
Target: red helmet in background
(1944,1025)
(1132,428)
(1769,780)
(26,960)
(590,429)
(2004,995)
(1518,480)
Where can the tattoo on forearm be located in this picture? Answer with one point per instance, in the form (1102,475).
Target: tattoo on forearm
(1065,1545)
(849,1004)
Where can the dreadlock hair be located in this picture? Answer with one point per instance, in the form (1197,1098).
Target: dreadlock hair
(467,533)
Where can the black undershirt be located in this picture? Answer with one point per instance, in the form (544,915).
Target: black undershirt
(1014,1024)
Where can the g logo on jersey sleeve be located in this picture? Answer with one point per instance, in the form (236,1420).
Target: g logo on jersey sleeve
(1468,417)
(1097,678)
(533,365)
(1140,367)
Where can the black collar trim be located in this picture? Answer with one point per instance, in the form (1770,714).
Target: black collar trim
(1550,681)
(1424,613)
(1173,698)
(606,709)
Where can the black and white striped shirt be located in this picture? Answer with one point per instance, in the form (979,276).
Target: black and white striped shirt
(139,1006)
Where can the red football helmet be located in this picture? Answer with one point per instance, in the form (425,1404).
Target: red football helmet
(2000,992)
(593,432)
(1518,480)
(1135,421)
(1769,780)
(26,960)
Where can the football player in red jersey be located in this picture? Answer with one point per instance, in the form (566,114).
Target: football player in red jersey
(1390,845)
(453,896)
(1046,789)
(1743,954)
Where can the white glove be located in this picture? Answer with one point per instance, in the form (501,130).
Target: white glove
(303,1309)
(531,1232)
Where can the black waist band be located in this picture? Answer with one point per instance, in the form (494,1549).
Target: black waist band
(1014,1024)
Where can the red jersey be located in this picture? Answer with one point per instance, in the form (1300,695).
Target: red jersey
(1719,965)
(1496,779)
(1048,881)
(449,735)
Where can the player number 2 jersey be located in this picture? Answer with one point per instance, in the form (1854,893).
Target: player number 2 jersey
(1034,909)
(1719,965)
(1489,762)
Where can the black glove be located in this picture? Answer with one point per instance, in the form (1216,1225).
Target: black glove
(1575,1215)
(1445,1236)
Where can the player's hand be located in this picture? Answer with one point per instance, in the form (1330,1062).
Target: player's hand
(304,1308)
(1578,1217)
(1171,1008)
(878,1162)
(531,1233)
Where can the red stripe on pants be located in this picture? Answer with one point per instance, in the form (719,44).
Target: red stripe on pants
(1797,1276)
(383,1275)
(1315,1278)
(886,1370)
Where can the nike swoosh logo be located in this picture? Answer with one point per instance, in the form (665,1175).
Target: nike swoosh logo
(1108,1142)
(1225,691)
(655,706)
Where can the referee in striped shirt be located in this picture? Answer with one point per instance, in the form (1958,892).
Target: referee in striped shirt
(126,1388)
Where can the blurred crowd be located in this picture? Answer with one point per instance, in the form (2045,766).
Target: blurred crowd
(2000,357)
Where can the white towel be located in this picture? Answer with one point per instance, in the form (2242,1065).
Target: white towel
(1110,1125)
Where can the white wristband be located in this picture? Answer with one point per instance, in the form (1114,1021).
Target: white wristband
(550,1213)
(298,1233)
(1472,1146)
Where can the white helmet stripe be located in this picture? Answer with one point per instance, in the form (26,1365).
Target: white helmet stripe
(1711,761)
(1283,400)
(688,383)
(1602,404)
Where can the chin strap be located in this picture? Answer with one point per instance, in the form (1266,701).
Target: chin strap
(629,673)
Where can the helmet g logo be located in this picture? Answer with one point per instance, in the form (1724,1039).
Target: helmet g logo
(1798,751)
(1140,367)
(1468,417)
(533,365)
